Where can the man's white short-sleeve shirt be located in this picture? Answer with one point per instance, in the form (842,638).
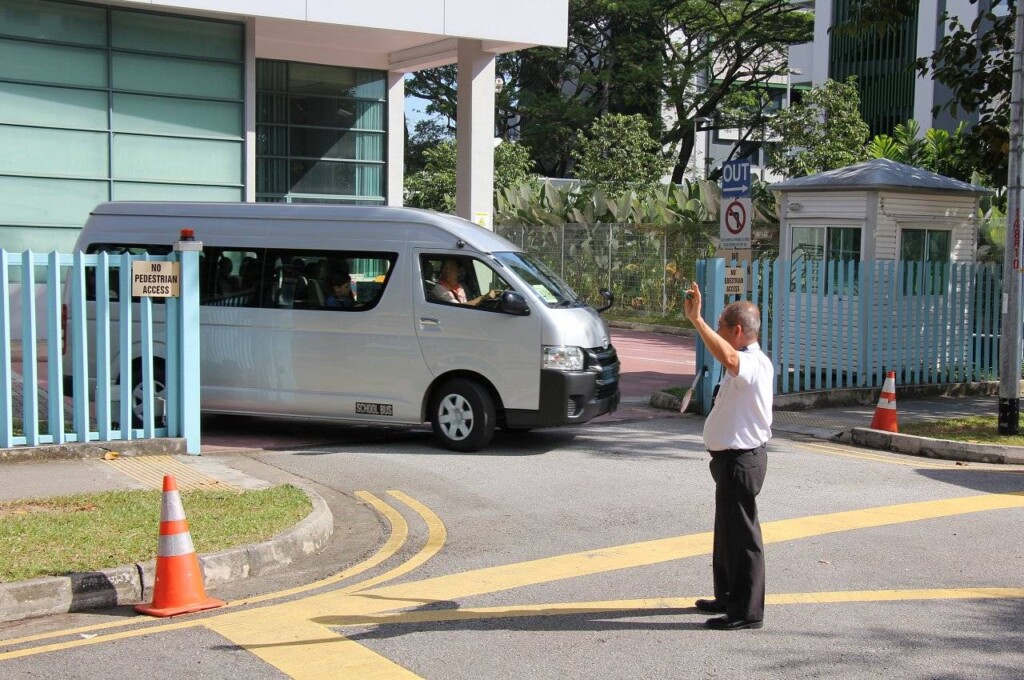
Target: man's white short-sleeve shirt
(742,415)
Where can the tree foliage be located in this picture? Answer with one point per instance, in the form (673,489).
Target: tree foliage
(823,131)
(937,150)
(619,155)
(434,186)
(700,58)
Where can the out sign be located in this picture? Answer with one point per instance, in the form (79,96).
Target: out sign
(736,178)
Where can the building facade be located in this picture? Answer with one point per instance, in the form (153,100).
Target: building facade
(220,100)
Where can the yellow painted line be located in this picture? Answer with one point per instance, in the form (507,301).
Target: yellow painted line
(306,650)
(436,537)
(398,535)
(879,458)
(648,605)
(150,471)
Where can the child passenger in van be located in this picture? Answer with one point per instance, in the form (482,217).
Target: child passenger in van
(341,295)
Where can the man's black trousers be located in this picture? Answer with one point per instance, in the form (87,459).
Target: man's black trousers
(738,561)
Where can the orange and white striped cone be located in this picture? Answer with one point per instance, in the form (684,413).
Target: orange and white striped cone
(179,580)
(885,412)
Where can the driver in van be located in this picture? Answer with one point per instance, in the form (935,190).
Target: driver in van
(449,289)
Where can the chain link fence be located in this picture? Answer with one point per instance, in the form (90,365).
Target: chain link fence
(643,265)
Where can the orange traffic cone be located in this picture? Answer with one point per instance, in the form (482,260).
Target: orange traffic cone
(885,412)
(179,580)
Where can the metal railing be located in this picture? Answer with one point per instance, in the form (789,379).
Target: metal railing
(83,337)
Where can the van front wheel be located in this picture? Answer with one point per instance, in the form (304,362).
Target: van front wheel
(159,392)
(463,415)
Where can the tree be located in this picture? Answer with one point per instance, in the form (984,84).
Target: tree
(700,58)
(619,155)
(427,133)
(822,132)
(434,187)
(937,150)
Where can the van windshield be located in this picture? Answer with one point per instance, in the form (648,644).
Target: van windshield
(548,286)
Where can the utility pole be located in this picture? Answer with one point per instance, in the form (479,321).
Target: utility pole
(1010,339)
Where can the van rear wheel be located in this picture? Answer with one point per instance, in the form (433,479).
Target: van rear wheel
(463,415)
(159,392)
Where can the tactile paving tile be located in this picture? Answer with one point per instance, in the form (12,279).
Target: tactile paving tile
(150,470)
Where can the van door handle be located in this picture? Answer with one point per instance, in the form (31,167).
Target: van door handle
(429,321)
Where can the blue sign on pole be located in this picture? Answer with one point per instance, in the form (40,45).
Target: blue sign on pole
(736,178)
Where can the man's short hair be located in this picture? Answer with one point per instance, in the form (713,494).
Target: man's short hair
(745,314)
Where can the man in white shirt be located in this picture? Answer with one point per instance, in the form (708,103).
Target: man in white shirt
(736,433)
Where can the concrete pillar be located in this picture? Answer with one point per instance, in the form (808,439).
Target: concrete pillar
(474,194)
(396,139)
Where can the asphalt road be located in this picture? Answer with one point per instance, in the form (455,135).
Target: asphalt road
(578,553)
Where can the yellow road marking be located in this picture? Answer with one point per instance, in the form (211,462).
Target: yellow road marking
(879,458)
(303,649)
(150,471)
(399,534)
(648,605)
(247,627)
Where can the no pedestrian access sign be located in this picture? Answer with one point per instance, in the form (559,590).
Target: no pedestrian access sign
(734,225)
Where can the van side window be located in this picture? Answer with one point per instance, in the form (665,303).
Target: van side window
(230,278)
(330,280)
(461,280)
(115,283)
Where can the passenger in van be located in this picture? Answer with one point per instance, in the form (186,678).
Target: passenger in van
(341,295)
(226,283)
(449,288)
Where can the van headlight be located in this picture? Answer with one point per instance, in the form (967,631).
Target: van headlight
(561,358)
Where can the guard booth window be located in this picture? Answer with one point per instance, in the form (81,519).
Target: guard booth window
(832,247)
(925,253)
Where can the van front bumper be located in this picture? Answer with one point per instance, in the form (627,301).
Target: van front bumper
(568,398)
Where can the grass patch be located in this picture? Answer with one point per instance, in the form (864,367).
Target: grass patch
(86,532)
(976,430)
(675,391)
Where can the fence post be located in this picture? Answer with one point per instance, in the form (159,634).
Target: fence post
(188,341)
(711,279)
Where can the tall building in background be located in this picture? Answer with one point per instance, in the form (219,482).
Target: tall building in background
(891,92)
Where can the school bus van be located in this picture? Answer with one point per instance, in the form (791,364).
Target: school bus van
(379,315)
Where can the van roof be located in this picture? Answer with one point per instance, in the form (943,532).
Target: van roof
(479,237)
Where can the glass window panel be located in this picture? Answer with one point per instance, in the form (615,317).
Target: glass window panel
(322,143)
(166,75)
(173,35)
(58,106)
(369,115)
(321,80)
(271,140)
(912,244)
(53,63)
(272,175)
(844,243)
(323,111)
(41,239)
(371,84)
(271,108)
(808,242)
(168,116)
(324,177)
(165,159)
(142,191)
(30,200)
(938,246)
(57,21)
(36,151)
(272,75)
(369,180)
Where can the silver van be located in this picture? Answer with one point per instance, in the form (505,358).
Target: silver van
(375,315)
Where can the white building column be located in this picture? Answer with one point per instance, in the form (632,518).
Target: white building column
(396,139)
(474,136)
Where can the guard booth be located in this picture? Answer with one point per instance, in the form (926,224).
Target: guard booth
(877,264)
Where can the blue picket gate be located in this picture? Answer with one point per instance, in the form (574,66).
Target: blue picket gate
(833,325)
(84,341)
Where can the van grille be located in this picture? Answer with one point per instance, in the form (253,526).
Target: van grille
(606,361)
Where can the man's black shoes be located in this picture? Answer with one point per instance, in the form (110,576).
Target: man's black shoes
(725,623)
(710,606)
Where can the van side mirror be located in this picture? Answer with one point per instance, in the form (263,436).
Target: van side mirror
(609,298)
(514,303)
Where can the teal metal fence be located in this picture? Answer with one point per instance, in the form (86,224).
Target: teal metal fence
(83,352)
(834,325)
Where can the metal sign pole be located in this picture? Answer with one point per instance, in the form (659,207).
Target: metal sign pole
(1010,342)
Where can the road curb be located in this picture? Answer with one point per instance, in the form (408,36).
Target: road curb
(133,583)
(936,448)
(77,451)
